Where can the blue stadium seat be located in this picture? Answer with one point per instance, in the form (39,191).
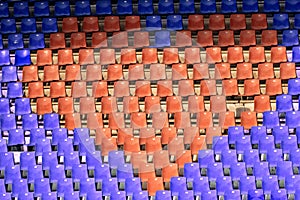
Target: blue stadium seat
(205,158)
(35,172)
(41,9)
(15,41)
(5,196)
(177,185)
(124,7)
(36,41)
(65,146)
(49,196)
(270,119)
(4,11)
(87,146)
(296,54)
(21,9)
(191,171)
(8,122)
(4,57)
(186,195)
(174,22)
(274,156)
(163,195)
(80,134)
(109,186)
(284,169)
(278,194)
(292,119)
(208,6)
(6,160)
(19,187)
(228,157)
(79,172)
(93,159)
(8,26)
(220,144)
(247,183)
(27,160)
(102,172)
(41,185)
(292,183)
(124,171)
(82,8)
(2,186)
(115,158)
(292,6)
(271,6)
(162,39)
(4,106)
(235,133)
(36,135)
(297,21)
(294,86)
(270,183)
(43,146)
(94,195)
(281,21)
(214,171)
(145,7)
(28,25)
(120,195)
(12,173)
(51,121)
(3,145)
(56,172)
(71,159)
(87,186)
(64,186)
(165,7)
(62,8)
(153,22)
(223,184)
(22,57)
(290,38)
(250,6)
(59,134)
(209,195)
(266,144)
(9,74)
(103,7)
(143,195)
(284,103)
(260,170)
(237,170)
(233,194)
(49,25)
(132,185)
(289,144)
(280,133)
(243,144)
(186,6)
(22,106)
(228,6)
(29,121)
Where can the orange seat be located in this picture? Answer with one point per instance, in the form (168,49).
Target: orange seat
(65,57)
(142,88)
(57,89)
(102,133)
(73,73)
(57,41)
(65,105)
(259,21)
(204,119)
(145,134)
(119,39)
(192,55)
(230,87)
(174,104)
(51,73)
(149,55)
(183,157)
(247,38)
(131,145)
(208,87)
(251,87)
(72,120)
(86,56)
(269,37)
(157,72)
(278,54)
(235,55)
(183,38)
(128,56)
(138,158)
(111,23)
(35,89)
(90,24)
(44,57)
(107,56)
(226,119)
(182,119)
(273,87)
(108,105)
(198,144)
(169,171)
(136,72)
(195,22)
(87,105)
(152,104)
(244,71)
(30,73)
(164,88)
(205,38)
(211,132)
(130,104)
(155,184)
(107,145)
(179,71)
(99,39)
(186,88)
(222,71)
(78,89)
(256,54)
(237,22)
(195,104)
(69,25)
(141,39)
(170,56)
(160,120)
(265,71)
(200,71)
(248,119)
(168,134)
(93,73)
(175,145)
(78,40)
(146,172)
(161,159)
(132,23)
(125,134)
(189,133)
(213,55)
(114,72)
(99,89)
(94,121)
(218,104)
(226,38)
(287,70)
(138,120)
(121,89)
(43,106)
(262,103)
(216,22)
(116,120)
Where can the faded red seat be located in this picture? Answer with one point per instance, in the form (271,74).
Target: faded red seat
(114,72)
(57,41)
(278,54)
(72,120)
(141,39)
(99,39)
(125,134)
(174,104)
(208,87)
(65,105)
(107,145)
(273,86)
(186,88)
(226,119)
(35,89)
(179,71)
(107,56)
(57,89)
(116,120)
(244,71)
(192,55)
(230,87)
(157,72)
(182,120)
(130,104)
(247,38)
(136,72)
(259,21)
(73,73)
(251,87)
(121,89)
(142,88)
(248,119)
(44,57)
(262,103)
(216,22)
(175,145)
(30,73)
(287,70)
(102,133)
(152,104)
(161,159)
(237,22)
(43,105)
(86,56)
(108,105)
(265,71)
(235,55)
(170,56)
(128,56)
(195,104)
(195,22)
(211,132)
(222,71)
(149,55)
(189,133)
(78,89)
(93,73)
(213,55)
(205,38)
(226,38)
(160,120)
(218,104)
(198,144)
(69,25)
(90,24)
(132,23)
(111,23)
(256,54)
(94,121)
(146,171)
(145,134)
(99,89)
(78,40)
(119,40)
(200,71)
(87,105)
(204,120)
(183,38)
(168,134)
(269,37)
(138,120)
(65,57)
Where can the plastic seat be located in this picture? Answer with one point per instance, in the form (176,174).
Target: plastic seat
(111,24)
(109,186)
(237,22)
(14,90)
(265,71)
(57,89)
(69,25)
(132,23)
(5,59)
(44,57)
(259,21)
(270,183)
(90,24)
(162,39)
(12,173)
(78,89)
(177,185)
(165,7)
(182,119)
(247,183)
(223,184)
(262,103)
(195,104)
(226,38)
(273,87)
(42,146)
(153,23)
(36,134)
(41,186)
(93,72)
(222,71)
(208,7)
(62,8)
(278,54)
(103,7)
(15,41)
(65,57)
(29,121)
(130,104)
(213,55)
(281,21)
(35,89)
(28,25)
(248,119)
(22,57)
(121,89)
(250,6)
(141,39)
(269,38)
(138,120)
(284,103)
(8,26)
(109,104)
(41,9)
(65,105)
(99,89)
(289,38)
(78,40)
(149,55)
(293,86)
(164,88)
(152,104)
(291,119)
(4,9)
(64,186)
(274,156)
(205,38)
(169,171)
(271,6)
(82,8)
(119,39)
(287,70)
(21,9)
(247,38)
(124,7)
(174,22)
(261,170)
(49,25)
(216,22)
(251,87)
(291,183)
(4,106)
(183,38)
(174,104)
(256,54)
(145,7)
(107,56)
(9,74)
(57,41)
(230,87)
(195,22)
(30,73)
(36,41)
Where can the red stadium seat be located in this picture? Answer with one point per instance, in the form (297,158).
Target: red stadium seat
(30,73)
(69,25)
(262,103)
(132,23)
(205,38)
(247,38)
(216,22)
(99,39)
(259,21)
(111,23)
(265,71)
(195,22)
(237,22)
(90,24)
